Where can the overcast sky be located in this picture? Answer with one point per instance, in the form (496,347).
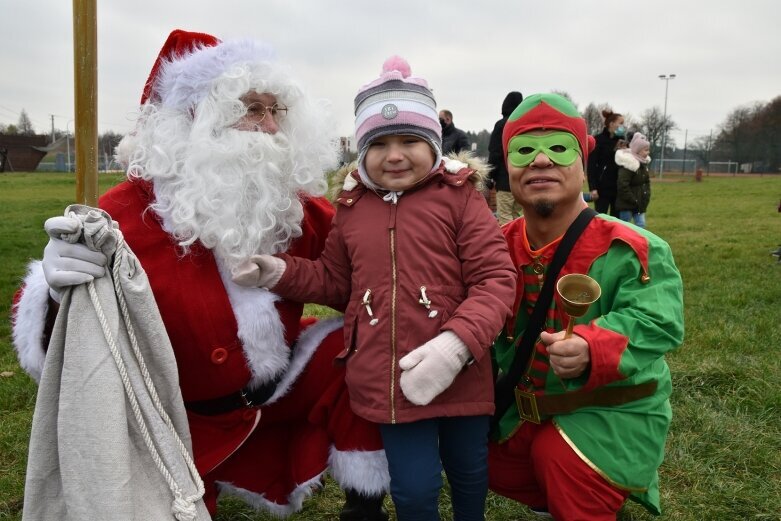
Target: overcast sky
(725,53)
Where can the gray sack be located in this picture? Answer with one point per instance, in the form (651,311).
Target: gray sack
(88,458)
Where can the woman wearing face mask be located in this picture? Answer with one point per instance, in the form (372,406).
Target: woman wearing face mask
(602,167)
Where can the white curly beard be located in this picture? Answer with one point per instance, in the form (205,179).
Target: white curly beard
(235,194)
(239,193)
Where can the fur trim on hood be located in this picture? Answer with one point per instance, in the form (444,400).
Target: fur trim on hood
(625,159)
(342,181)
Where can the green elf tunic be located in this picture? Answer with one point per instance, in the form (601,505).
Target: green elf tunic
(638,319)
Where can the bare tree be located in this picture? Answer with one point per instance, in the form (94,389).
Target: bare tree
(752,134)
(593,116)
(654,126)
(739,133)
(701,148)
(25,126)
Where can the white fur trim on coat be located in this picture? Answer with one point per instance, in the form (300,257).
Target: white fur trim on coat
(259,501)
(29,320)
(260,330)
(627,160)
(454,165)
(363,471)
(306,345)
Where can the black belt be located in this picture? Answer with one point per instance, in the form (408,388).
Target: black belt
(243,399)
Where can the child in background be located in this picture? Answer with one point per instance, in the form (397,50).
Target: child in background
(634,181)
(417,261)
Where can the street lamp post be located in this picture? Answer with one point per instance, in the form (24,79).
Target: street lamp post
(666,78)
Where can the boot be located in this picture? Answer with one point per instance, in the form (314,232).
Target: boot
(358,507)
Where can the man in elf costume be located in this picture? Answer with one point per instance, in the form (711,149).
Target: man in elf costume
(227,160)
(588,427)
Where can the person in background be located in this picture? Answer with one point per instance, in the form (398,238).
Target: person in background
(421,267)
(507,208)
(227,160)
(634,180)
(602,169)
(454,139)
(596,409)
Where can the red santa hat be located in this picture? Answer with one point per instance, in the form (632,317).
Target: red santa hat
(189,62)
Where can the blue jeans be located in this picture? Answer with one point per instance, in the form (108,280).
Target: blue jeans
(417,453)
(629,216)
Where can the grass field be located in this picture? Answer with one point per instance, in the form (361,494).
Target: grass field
(724,449)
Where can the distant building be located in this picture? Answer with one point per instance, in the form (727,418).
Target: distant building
(22,153)
(346,150)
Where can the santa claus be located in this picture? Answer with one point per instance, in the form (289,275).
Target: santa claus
(227,160)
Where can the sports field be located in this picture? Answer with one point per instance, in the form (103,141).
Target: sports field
(724,449)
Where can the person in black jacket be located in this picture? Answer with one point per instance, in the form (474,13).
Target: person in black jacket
(453,139)
(507,208)
(602,167)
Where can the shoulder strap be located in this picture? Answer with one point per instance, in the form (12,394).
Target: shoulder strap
(504,394)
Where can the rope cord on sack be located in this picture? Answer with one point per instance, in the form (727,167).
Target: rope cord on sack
(183,508)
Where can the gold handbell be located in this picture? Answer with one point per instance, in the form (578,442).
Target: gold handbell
(577,292)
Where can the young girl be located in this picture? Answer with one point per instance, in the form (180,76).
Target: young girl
(417,261)
(634,182)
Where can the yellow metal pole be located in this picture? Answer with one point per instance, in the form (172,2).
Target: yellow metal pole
(85,72)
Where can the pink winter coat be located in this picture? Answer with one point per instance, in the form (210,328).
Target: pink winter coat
(435,261)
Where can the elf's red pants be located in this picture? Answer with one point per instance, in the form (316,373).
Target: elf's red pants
(537,468)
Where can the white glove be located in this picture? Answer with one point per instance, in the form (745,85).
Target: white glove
(432,367)
(263,271)
(65,264)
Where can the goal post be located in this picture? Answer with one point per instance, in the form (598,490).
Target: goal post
(730,167)
(678,166)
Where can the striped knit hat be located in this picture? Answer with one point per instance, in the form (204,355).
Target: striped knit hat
(395,103)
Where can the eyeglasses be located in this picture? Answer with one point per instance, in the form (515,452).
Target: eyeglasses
(257,111)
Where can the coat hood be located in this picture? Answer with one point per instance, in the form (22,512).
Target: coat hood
(625,159)
(512,100)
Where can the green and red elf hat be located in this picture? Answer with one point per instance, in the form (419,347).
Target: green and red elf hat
(548,112)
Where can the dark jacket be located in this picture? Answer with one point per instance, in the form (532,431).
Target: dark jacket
(602,167)
(453,140)
(496,156)
(634,183)
(440,237)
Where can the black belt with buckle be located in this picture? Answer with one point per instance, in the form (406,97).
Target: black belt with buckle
(243,399)
(534,408)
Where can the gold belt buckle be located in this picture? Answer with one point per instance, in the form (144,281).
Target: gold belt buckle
(527,406)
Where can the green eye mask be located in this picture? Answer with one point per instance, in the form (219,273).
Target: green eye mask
(561,147)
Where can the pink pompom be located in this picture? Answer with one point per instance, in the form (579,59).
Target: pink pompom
(397,63)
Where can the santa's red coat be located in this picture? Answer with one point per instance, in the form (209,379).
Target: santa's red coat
(226,338)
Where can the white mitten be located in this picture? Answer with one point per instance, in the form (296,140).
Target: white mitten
(432,367)
(65,264)
(263,271)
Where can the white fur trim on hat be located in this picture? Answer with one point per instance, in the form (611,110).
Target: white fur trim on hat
(183,83)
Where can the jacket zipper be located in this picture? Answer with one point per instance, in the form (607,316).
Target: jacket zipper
(393,326)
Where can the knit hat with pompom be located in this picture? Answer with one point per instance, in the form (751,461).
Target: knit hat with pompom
(638,143)
(396,103)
